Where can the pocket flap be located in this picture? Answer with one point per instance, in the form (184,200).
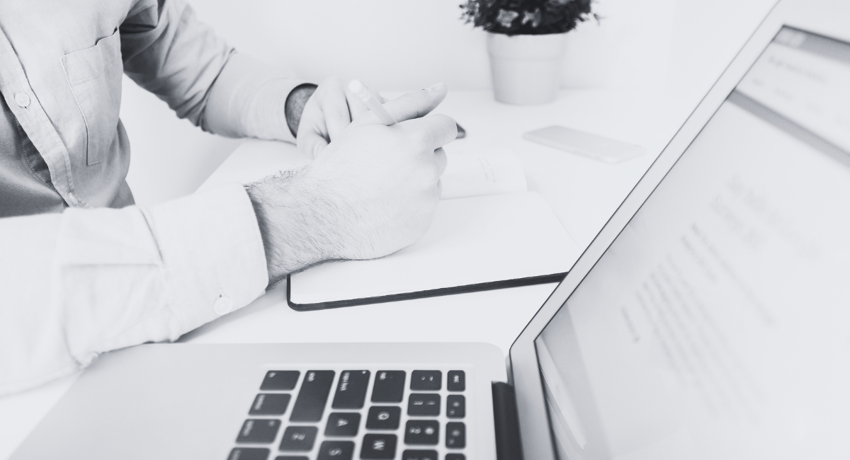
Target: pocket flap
(89,63)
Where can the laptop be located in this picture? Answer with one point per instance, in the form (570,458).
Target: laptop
(708,319)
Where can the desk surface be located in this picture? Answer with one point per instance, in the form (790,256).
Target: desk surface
(582,192)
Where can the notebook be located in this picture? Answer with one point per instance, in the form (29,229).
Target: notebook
(488,232)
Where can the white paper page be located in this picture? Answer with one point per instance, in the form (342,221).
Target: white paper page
(471,241)
(472,173)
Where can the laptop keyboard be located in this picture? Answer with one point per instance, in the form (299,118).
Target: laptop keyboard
(356,414)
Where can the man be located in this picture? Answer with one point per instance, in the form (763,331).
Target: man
(83,271)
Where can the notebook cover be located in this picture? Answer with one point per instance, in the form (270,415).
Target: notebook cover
(543,279)
(473,244)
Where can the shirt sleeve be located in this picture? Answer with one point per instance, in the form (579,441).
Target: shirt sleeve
(167,51)
(77,284)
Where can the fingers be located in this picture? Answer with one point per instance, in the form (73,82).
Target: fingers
(327,113)
(310,142)
(355,106)
(334,105)
(416,104)
(433,131)
(441,161)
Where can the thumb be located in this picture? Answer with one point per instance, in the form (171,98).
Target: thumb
(416,104)
(310,143)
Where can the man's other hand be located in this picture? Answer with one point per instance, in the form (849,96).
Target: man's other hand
(329,110)
(371,192)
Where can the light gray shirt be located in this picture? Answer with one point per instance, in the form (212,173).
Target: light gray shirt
(61,64)
(83,279)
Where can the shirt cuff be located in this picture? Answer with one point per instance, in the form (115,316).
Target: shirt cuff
(213,254)
(248,99)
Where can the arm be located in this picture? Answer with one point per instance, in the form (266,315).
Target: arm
(167,51)
(87,281)
(251,99)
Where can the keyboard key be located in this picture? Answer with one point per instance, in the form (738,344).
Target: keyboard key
(299,438)
(342,424)
(351,390)
(336,450)
(280,380)
(270,404)
(455,406)
(457,381)
(426,380)
(258,431)
(455,457)
(419,455)
(424,432)
(248,453)
(313,396)
(423,404)
(378,446)
(383,418)
(291,457)
(455,435)
(389,387)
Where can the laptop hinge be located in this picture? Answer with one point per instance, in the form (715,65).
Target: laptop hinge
(508,445)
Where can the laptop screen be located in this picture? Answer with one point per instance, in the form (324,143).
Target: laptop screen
(717,325)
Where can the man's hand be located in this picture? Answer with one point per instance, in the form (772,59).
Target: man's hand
(329,110)
(371,192)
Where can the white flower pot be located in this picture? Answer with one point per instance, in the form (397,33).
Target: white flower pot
(526,68)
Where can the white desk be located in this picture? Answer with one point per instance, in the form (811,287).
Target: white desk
(582,192)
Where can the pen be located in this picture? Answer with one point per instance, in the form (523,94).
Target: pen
(360,90)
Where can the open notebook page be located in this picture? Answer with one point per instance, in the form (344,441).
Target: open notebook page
(472,173)
(471,242)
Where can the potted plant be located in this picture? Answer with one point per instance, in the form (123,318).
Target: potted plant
(525,40)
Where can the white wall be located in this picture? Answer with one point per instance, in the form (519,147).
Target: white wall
(679,46)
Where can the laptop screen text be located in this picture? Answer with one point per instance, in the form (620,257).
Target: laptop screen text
(715,324)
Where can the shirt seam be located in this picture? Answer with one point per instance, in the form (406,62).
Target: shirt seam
(76,101)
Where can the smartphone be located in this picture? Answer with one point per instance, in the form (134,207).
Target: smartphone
(590,145)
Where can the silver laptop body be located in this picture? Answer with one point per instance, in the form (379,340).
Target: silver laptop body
(706,320)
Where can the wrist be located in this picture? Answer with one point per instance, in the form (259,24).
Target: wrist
(292,223)
(294,105)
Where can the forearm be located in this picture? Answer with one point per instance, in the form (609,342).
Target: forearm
(250,99)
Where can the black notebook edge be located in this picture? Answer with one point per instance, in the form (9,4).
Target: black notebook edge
(487,286)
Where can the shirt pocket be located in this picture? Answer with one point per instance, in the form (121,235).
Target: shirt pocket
(95,78)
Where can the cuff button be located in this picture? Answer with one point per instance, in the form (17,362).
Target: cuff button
(223,305)
(22,99)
